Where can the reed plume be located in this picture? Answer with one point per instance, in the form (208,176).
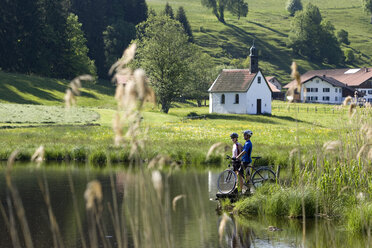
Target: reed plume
(132,92)
(156,179)
(217,148)
(332,145)
(74,89)
(38,156)
(296,87)
(92,194)
(221,228)
(175,200)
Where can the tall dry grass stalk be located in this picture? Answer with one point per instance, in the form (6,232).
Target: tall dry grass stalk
(38,156)
(56,234)
(217,149)
(296,87)
(132,92)
(74,89)
(14,200)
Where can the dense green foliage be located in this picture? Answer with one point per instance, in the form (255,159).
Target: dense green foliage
(79,61)
(43,37)
(38,37)
(343,36)
(293,6)
(116,38)
(367,6)
(168,11)
(313,37)
(108,26)
(170,60)
(349,55)
(238,8)
(182,18)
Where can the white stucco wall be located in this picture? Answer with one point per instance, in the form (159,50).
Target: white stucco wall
(368,93)
(215,105)
(259,91)
(247,100)
(334,94)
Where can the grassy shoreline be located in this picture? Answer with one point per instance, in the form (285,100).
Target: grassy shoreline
(185,141)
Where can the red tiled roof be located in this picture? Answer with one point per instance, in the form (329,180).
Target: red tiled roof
(350,77)
(233,80)
(272,86)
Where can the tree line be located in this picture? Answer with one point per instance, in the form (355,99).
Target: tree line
(65,38)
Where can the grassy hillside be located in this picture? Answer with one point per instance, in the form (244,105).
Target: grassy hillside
(19,88)
(268,24)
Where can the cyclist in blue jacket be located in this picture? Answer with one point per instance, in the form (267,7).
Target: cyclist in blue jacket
(247,150)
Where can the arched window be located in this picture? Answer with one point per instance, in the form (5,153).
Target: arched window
(236,99)
(259,80)
(223,99)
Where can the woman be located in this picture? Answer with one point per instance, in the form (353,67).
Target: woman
(236,150)
(237,147)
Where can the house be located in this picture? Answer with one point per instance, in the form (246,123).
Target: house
(273,80)
(332,86)
(241,91)
(275,87)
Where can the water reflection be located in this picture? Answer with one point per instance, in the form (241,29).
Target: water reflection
(134,214)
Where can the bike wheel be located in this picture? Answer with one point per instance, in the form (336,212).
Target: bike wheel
(262,176)
(227,181)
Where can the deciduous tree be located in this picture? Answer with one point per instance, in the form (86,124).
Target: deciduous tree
(293,6)
(313,38)
(168,58)
(238,8)
(367,6)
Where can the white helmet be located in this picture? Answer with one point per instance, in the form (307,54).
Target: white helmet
(248,132)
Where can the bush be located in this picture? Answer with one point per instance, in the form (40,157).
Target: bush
(55,153)
(293,6)
(192,114)
(359,219)
(343,37)
(349,55)
(79,153)
(98,158)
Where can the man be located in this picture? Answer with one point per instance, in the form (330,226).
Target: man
(246,153)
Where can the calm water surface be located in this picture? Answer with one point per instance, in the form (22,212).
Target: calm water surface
(192,222)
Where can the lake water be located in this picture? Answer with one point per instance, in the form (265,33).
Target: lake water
(178,212)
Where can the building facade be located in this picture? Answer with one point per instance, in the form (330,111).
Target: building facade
(332,86)
(237,91)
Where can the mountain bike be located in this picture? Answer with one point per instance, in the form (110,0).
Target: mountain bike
(255,175)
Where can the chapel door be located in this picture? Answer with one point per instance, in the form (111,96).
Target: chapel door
(258,106)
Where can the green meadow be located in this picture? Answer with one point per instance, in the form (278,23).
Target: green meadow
(85,131)
(268,24)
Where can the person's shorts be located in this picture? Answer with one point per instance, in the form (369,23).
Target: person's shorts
(239,167)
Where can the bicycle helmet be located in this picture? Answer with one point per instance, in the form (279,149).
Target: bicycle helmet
(234,135)
(248,132)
